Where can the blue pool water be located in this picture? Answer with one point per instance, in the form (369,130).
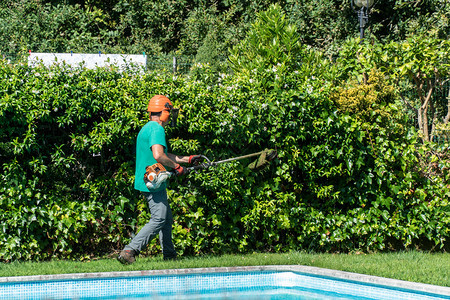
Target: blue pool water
(237,285)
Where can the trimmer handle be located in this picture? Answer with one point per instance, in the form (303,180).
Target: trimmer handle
(203,165)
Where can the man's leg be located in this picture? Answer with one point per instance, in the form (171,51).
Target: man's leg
(165,237)
(159,206)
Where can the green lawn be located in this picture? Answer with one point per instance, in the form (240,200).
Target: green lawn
(431,268)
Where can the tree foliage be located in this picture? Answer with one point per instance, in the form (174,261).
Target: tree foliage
(366,101)
(185,27)
(424,62)
(273,41)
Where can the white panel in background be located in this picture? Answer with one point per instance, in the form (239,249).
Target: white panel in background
(90,61)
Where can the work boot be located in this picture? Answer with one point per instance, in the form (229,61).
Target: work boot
(127,257)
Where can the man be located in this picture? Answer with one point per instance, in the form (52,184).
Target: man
(151,148)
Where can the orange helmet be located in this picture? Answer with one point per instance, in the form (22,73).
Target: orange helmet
(160,103)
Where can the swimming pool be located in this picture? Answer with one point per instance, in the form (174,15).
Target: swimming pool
(275,282)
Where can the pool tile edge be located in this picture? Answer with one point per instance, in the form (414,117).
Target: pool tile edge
(356,277)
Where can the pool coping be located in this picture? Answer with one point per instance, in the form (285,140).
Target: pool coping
(342,275)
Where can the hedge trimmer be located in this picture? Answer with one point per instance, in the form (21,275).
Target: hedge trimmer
(156,174)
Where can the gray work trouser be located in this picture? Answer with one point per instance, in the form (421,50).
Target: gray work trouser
(161,221)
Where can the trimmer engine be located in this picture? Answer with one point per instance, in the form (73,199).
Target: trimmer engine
(156,175)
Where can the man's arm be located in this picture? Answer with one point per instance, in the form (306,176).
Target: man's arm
(178,158)
(169,160)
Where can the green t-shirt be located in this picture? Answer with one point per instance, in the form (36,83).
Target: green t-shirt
(151,134)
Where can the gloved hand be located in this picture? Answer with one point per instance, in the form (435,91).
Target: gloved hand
(179,170)
(195,159)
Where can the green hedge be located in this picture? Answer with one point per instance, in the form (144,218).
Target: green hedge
(339,183)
